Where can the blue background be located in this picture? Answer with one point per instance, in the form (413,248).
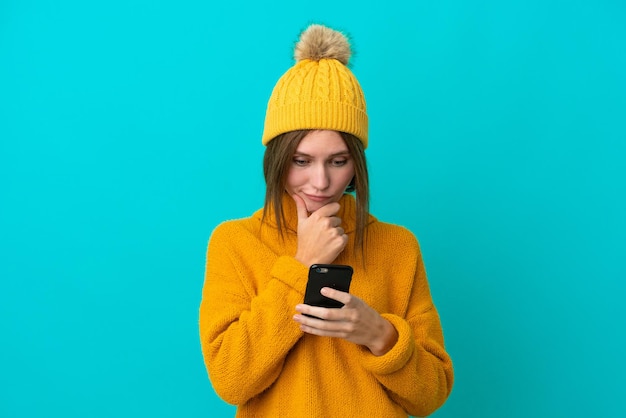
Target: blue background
(130,129)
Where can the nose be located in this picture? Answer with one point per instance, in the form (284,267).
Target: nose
(320,178)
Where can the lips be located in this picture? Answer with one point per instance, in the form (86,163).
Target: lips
(315,198)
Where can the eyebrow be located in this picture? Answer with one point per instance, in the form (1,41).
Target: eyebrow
(336,154)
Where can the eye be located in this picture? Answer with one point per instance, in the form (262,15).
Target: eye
(339,162)
(300,162)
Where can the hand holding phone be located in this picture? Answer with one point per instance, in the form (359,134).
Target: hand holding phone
(336,276)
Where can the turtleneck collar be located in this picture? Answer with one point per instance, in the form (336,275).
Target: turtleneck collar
(347,214)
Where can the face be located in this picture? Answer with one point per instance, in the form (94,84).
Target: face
(320,170)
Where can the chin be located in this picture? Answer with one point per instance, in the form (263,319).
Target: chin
(313,206)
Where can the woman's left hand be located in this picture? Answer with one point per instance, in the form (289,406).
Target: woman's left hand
(356,321)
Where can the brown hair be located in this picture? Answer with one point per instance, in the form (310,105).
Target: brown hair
(276,163)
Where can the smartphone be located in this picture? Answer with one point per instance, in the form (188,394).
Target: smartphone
(336,276)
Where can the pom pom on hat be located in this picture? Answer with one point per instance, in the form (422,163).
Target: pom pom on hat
(319,91)
(318,42)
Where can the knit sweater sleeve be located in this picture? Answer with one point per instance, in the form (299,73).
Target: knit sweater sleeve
(246,332)
(417,372)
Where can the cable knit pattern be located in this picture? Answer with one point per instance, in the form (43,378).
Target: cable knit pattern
(257,357)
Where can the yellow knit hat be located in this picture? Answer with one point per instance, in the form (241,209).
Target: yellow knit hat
(319,91)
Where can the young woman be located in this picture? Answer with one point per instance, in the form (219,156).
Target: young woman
(382,354)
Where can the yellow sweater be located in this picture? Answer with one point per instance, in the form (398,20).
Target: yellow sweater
(257,357)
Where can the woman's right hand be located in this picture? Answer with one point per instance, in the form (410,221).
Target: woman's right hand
(320,236)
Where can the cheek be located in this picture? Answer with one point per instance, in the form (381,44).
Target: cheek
(293,180)
(347,176)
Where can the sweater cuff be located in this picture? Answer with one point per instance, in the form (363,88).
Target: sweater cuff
(399,354)
(291,272)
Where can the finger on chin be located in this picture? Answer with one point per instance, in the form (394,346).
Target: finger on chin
(329,209)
